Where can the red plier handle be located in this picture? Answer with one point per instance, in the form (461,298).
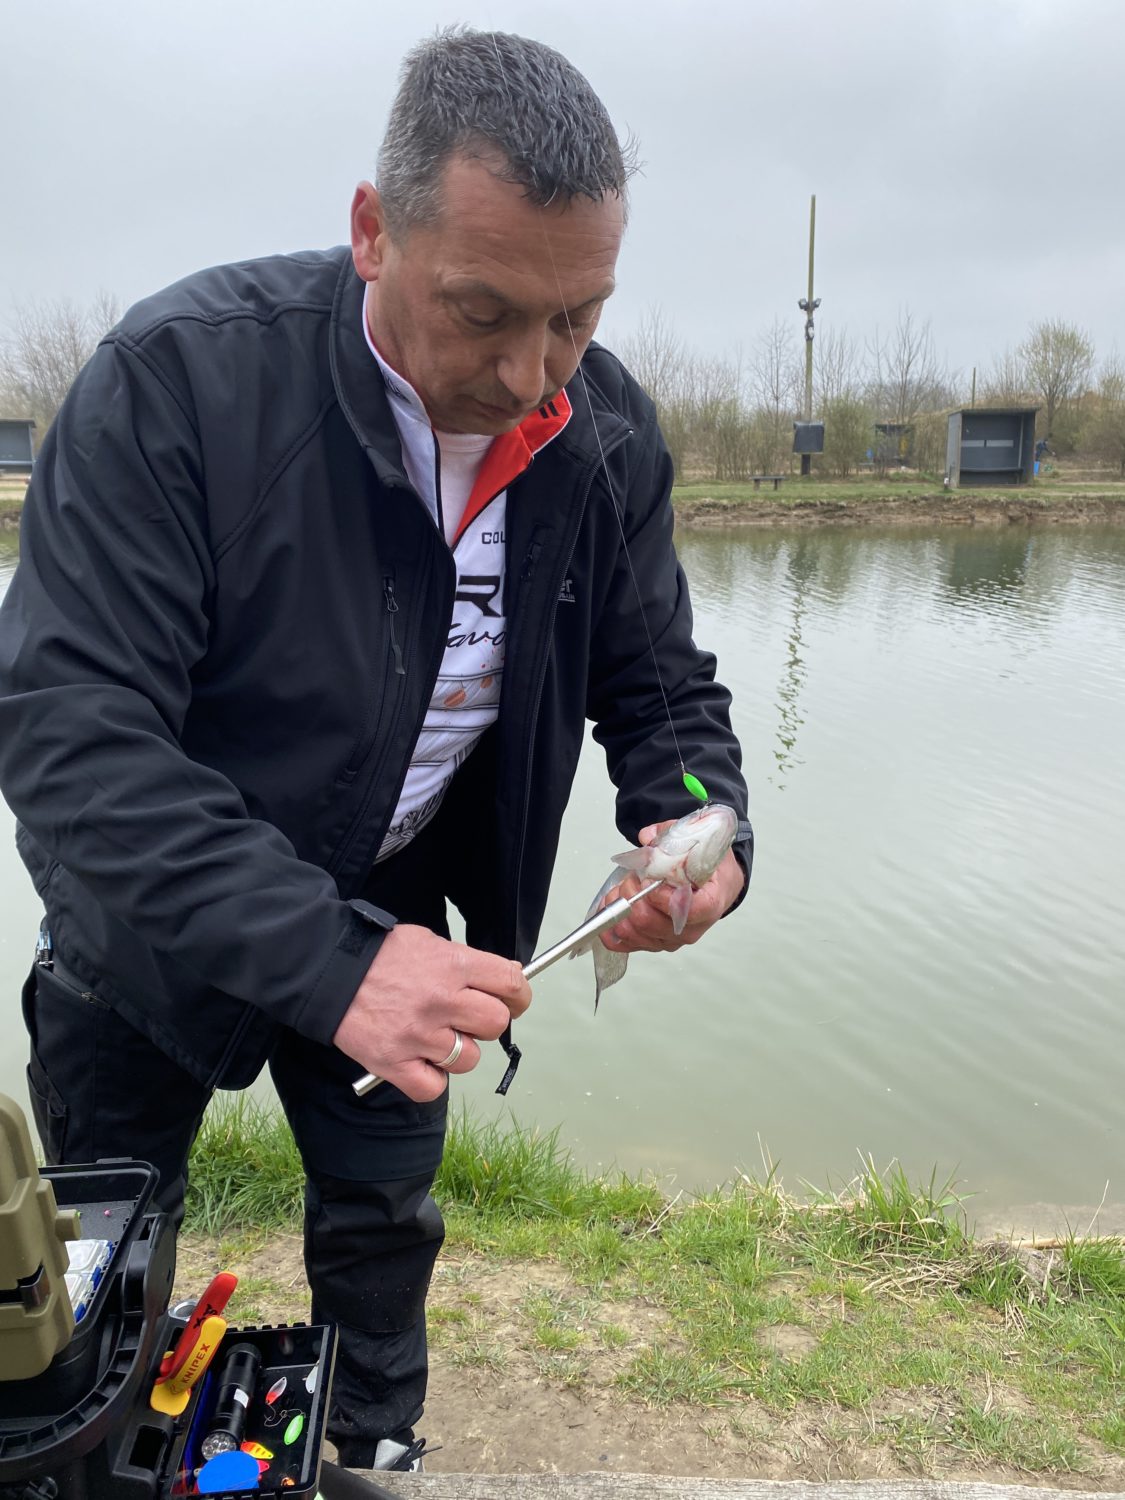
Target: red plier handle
(214,1299)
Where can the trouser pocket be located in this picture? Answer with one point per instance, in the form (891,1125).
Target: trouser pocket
(99,1088)
(47,1107)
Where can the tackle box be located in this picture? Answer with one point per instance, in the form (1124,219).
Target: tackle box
(285,1433)
(81,1420)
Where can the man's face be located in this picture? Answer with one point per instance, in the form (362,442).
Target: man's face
(478,309)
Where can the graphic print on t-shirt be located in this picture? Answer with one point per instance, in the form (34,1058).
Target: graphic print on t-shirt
(466,694)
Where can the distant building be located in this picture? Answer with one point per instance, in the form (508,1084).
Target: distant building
(17,450)
(990,445)
(894,445)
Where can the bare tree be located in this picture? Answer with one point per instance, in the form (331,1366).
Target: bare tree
(719,428)
(906,375)
(45,346)
(1058,359)
(1005,383)
(658,358)
(775,379)
(1105,435)
(655,356)
(775,375)
(839,370)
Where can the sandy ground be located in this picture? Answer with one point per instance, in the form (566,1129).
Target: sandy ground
(501,1404)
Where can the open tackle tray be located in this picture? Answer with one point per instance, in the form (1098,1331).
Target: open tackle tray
(86,1271)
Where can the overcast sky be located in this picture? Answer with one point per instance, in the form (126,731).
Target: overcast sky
(966,157)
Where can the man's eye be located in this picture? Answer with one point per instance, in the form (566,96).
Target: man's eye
(479,320)
(576,323)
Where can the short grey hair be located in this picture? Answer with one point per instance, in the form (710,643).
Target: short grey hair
(496,96)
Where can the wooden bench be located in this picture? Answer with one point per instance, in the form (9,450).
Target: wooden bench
(777,478)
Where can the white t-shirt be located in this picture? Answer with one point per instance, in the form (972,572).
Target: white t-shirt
(453,479)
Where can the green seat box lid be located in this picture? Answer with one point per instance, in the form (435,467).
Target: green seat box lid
(36,1318)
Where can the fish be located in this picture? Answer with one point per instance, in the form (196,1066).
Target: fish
(685,857)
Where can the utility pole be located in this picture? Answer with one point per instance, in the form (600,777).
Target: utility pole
(808,306)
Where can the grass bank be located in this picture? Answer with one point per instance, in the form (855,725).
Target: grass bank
(910,498)
(868,1323)
(11,501)
(918,498)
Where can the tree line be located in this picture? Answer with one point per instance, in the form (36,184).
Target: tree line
(42,349)
(727,418)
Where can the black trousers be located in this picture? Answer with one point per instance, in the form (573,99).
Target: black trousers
(100,1088)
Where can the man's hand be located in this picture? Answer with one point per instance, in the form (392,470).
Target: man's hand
(648,927)
(419,989)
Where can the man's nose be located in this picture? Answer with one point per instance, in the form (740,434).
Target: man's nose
(522,368)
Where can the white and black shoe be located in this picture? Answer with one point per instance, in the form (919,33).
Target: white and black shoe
(392,1456)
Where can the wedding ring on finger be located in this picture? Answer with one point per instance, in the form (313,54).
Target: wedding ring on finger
(458,1042)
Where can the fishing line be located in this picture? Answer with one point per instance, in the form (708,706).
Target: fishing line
(692,783)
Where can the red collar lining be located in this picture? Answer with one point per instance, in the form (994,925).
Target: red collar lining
(510,455)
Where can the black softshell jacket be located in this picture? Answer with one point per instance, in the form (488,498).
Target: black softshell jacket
(222,635)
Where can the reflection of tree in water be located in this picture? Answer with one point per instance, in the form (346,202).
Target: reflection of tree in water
(801,570)
(989,564)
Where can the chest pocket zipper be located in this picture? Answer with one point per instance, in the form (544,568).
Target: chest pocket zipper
(362,747)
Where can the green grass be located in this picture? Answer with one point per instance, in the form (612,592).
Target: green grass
(797,492)
(661,1377)
(516,1175)
(245,1170)
(517,1185)
(873,1307)
(553,1321)
(11,505)
(865,489)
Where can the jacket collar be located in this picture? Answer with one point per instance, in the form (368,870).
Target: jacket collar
(363,397)
(359,381)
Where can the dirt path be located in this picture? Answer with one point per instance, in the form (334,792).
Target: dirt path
(500,1402)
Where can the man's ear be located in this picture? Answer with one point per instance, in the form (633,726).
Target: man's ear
(369,231)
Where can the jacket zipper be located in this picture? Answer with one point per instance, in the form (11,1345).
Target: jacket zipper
(344,848)
(440,517)
(392,609)
(362,747)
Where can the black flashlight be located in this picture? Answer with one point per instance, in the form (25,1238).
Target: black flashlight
(236,1389)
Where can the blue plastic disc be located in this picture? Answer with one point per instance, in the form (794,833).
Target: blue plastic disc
(228,1471)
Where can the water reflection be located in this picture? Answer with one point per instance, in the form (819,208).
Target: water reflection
(801,570)
(1030,569)
(989,563)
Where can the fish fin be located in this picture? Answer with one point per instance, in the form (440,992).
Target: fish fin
(633,859)
(608,969)
(607,885)
(680,906)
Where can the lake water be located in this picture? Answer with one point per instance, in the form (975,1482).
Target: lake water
(931,962)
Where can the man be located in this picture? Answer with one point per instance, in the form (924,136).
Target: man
(325,563)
